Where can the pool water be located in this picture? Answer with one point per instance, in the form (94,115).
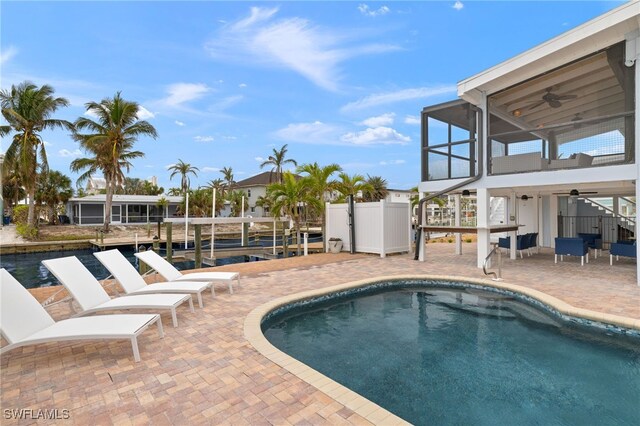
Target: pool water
(451,357)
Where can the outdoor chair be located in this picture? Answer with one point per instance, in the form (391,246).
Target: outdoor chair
(533,241)
(626,248)
(594,241)
(23,321)
(133,284)
(521,243)
(91,297)
(170,273)
(572,247)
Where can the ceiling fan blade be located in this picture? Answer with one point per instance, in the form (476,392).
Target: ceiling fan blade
(565,97)
(555,104)
(536,105)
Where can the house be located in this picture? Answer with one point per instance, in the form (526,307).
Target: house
(125,209)
(255,187)
(95,185)
(546,132)
(399,196)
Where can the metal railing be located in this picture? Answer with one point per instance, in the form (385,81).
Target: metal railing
(496,276)
(611,229)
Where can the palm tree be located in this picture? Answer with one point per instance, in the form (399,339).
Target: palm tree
(289,197)
(235,198)
(12,189)
(377,189)
(54,189)
(110,141)
(218,185)
(227,174)
(174,192)
(28,109)
(183,169)
(264,202)
(354,185)
(320,185)
(277,161)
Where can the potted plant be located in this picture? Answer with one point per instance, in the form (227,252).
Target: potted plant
(335,245)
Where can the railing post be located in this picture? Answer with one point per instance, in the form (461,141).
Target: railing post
(141,265)
(169,242)
(198,237)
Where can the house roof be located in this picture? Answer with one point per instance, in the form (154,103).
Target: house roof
(261,179)
(99,183)
(142,199)
(596,34)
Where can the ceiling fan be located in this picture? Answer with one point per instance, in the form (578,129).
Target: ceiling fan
(575,193)
(552,99)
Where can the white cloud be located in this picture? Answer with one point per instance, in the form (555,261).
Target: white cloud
(355,166)
(412,119)
(392,162)
(90,113)
(458,5)
(203,138)
(367,11)
(398,96)
(7,54)
(47,143)
(259,159)
(168,166)
(314,133)
(376,136)
(180,93)
(210,169)
(242,85)
(293,43)
(230,138)
(380,120)
(179,123)
(67,153)
(144,114)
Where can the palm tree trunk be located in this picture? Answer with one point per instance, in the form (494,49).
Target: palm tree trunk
(107,206)
(31,220)
(298,235)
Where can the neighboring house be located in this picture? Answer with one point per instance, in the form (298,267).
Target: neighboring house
(126,209)
(256,187)
(544,131)
(399,196)
(95,185)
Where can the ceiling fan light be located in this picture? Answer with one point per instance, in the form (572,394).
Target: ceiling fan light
(524,197)
(466,193)
(574,193)
(517,112)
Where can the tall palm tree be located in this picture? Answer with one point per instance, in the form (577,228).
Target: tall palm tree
(174,192)
(235,198)
(28,110)
(321,185)
(54,189)
(218,185)
(354,185)
(227,174)
(377,189)
(290,197)
(277,160)
(266,204)
(12,188)
(110,141)
(183,169)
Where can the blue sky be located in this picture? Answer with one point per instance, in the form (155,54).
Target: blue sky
(226,82)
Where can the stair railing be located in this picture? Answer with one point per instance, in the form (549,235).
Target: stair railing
(496,276)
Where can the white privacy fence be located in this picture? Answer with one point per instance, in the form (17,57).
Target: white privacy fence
(380,228)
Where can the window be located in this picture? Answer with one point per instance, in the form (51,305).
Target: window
(252,209)
(248,193)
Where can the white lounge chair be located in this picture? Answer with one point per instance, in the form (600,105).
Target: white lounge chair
(133,284)
(91,297)
(23,321)
(170,273)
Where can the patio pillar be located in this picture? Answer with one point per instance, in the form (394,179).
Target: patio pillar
(456,199)
(513,219)
(553,220)
(636,60)
(483,205)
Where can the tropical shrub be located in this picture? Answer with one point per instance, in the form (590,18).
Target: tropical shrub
(20,214)
(27,231)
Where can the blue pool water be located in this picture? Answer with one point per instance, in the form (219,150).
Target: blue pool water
(454,357)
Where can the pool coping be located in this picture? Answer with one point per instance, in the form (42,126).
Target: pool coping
(356,402)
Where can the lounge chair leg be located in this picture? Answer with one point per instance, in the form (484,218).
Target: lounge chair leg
(611,260)
(174,317)
(230,286)
(160,328)
(561,258)
(521,256)
(213,290)
(134,346)
(582,261)
(200,300)
(587,257)
(556,259)
(191,304)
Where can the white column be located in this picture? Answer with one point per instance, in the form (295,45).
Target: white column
(186,221)
(213,225)
(637,177)
(306,243)
(421,243)
(483,205)
(513,220)
(383,252)
(553,219)
(456,199)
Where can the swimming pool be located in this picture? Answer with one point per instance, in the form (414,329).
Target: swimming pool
(433,355)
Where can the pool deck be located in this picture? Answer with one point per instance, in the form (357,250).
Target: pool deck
(205,371)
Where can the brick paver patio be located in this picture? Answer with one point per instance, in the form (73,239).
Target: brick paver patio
(206,372)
